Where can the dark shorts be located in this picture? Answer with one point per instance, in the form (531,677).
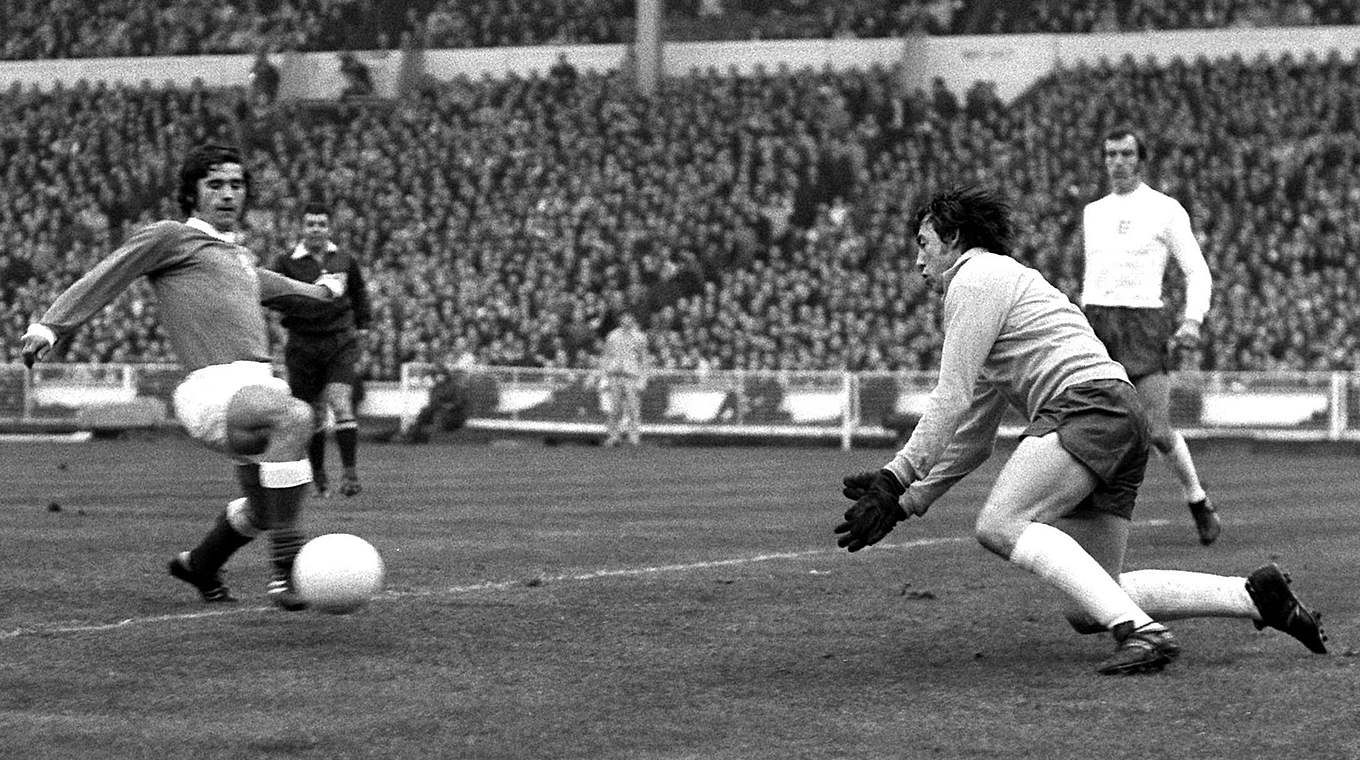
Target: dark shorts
(316,360)
(1100,423)
(1136,338)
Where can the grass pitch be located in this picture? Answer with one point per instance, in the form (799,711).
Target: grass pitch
(667,602)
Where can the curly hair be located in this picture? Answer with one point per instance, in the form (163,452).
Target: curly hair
(972,217)
(199,161)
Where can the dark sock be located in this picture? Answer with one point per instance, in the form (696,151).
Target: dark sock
(248,476)
(217,546)
(284,544)
(283,506)
(316,451)
(347,439)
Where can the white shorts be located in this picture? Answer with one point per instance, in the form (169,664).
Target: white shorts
(201,400)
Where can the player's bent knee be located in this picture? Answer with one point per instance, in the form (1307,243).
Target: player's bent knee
(997,536)
(1163,440)
(296,415)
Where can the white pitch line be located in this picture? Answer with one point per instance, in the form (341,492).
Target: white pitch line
(621,572)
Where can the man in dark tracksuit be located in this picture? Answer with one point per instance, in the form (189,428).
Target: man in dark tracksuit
(323,351)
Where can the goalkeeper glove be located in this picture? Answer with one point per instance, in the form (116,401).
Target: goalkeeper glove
(35,343)
(858,485)
(875,512)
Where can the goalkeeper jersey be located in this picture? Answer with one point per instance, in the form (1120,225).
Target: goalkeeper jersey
(1010,340)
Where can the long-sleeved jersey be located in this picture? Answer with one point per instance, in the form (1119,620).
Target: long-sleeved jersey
(625,352)
(1128,239)
(1010,339)
(209,291)
(348,312)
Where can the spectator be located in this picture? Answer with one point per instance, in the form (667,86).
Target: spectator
(264,79)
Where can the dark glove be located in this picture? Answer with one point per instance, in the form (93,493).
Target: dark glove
(874,513)
(858,485)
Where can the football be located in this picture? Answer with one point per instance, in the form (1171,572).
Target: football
(337,573)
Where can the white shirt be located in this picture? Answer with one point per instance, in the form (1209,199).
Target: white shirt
(1128,239)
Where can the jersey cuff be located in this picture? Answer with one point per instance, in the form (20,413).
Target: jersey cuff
(42,331)
(902,469)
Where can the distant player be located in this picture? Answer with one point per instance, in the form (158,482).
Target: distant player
(1129,235)
(1061,507)
(624,366)
(323,350)
(209,290)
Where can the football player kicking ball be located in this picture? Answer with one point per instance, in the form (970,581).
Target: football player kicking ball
(1061,506)
(209,291)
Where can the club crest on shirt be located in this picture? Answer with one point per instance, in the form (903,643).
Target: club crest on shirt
(1124,226)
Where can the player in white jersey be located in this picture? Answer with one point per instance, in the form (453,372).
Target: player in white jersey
(624,368)
(209,291)
(1128,238)
(1061,506)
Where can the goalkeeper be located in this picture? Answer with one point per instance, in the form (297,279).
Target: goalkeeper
(1061,507)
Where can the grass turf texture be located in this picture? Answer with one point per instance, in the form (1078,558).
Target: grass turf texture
(573,602)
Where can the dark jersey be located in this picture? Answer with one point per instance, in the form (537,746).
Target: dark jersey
(347,313)
(209,292)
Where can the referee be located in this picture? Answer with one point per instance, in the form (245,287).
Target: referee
(323,351)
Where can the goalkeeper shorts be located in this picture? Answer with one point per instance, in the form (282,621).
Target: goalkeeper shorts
(1102,425)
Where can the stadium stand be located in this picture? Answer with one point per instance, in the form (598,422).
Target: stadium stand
(39,29)
(757,222)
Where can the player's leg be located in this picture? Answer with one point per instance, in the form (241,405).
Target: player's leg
(200,405)
(1040,484)
(201,567)
(340,398)
(1264,597)
(1154,391)
(316,449)
(303,359)
(268,419)
(613,398)
(633,412)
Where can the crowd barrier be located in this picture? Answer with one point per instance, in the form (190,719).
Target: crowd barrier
(839,407)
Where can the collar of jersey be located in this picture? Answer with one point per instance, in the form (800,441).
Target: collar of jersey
(954,270)
(205,227)
(301,250)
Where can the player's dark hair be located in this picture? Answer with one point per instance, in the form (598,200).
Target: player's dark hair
(1119,133)
(972,217)
(199,161)
(316,207)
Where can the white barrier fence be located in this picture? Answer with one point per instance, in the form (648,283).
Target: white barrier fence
(841,407)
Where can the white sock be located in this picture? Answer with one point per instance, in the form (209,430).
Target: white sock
(1176,594)
(1184,467)
(1058,559)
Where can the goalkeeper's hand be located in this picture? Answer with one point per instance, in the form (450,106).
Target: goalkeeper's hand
(857,485)
(36,342)
(875,512)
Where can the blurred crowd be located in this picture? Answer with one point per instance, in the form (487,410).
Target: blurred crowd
(32,29)
(751,222)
